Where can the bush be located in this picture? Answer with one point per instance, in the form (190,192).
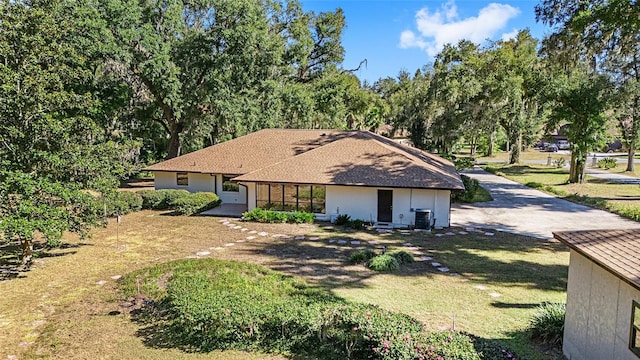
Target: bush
(343,219)
(356,224)
(270,216)
(161,199)
(607,163)
(464,163)
(403,257)
(547,324)
(210,304)
(471,186)
(384,263)
(194,203)
(361,256)
(121,203)
(559,163)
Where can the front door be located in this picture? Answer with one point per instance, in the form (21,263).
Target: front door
(385,205)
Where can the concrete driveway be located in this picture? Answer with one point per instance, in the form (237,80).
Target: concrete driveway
(519,209)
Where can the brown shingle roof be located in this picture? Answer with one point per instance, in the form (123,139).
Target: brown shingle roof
(364,159)
(319,157)
(618,251)
(250,152)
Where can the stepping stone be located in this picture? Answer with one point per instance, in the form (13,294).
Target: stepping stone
(342,242)
(229,244)
(480,287)
(203,253)
(407,244)
(244,229)
(116,277)
(373,242)
(223,220)
(463,232)
(263,233)
(417,252)
(454,274)
(250,237)
(489,233)
(436,264)
(281,236)
(252,232)
(240,241)
(426,258)
(443,269)
(470,228)
(230,224)
(449,233)
(494,295)
(355,242)
(101,282)
(192,257)
(331,241)
(237,227)
(439,235)
(300,237)
(314,238)
(216,248)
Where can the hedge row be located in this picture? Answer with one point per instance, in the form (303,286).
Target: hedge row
(211,304)
(181,201)
(270,216)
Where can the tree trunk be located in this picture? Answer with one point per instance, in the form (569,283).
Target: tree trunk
(492,141)
(631,153)
(515,149)
(27,251)
(174,140)
(577,169)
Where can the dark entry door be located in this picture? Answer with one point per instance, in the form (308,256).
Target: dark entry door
(385,205)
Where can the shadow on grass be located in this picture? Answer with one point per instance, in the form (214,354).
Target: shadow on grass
(11,265)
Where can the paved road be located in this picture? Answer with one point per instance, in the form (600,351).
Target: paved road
(520,209)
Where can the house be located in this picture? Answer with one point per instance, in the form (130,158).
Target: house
(603,295)
(327,172)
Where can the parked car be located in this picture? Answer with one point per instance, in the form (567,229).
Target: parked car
(552,148)
(564,145)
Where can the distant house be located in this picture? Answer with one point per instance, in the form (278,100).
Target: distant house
(358,173)
(603,295)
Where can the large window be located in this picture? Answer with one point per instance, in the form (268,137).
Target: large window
(182,179)
(228,185)
(634,337)
(291,197)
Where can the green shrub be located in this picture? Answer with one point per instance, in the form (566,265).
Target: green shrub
(403,257)
(547,324)
(194,203)
(470,188)
(121,203)
(464,163)
(212,304)
(343,219)
(161,199)
(361,256)
(607,163)
(270,216)
(384,263)
(356,224)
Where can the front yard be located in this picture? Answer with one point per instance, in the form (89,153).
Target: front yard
(68,306)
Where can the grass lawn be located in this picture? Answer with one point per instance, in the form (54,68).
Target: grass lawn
(68,305)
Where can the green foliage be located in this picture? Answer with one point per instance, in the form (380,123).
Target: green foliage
(343,219)
(194,203)
(121,203)
(384,263)
(270,216)
(164,199)
(212,304)
(464,163)
(471,186)
(361,256)
(559,163)
(403,257)
(547,324)
(356,224)
(607,163)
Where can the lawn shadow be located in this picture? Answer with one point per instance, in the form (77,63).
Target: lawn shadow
(11,265)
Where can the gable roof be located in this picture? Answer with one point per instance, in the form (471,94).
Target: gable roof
(319,157)
(617,251)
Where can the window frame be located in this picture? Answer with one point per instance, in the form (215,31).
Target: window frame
(634,329)
(182,178)
(276,199)
(227,179)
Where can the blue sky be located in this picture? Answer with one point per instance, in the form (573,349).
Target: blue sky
(396,35)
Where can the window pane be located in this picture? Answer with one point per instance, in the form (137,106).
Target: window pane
(262,195)
(276,197)
(290,198)
(182,179)
(319,199)
(304,198)
(228,185)
(634,336)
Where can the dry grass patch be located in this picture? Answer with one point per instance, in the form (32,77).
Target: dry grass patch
(70,315)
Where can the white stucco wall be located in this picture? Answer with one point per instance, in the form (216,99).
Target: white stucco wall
(362,203)
(598,317)
(231,197)
(197,182)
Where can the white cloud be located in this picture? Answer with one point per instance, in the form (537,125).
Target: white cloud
(442,26)
(510,35)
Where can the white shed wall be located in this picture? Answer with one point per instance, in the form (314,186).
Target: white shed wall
(165,180)
(201,182)
(598,317)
